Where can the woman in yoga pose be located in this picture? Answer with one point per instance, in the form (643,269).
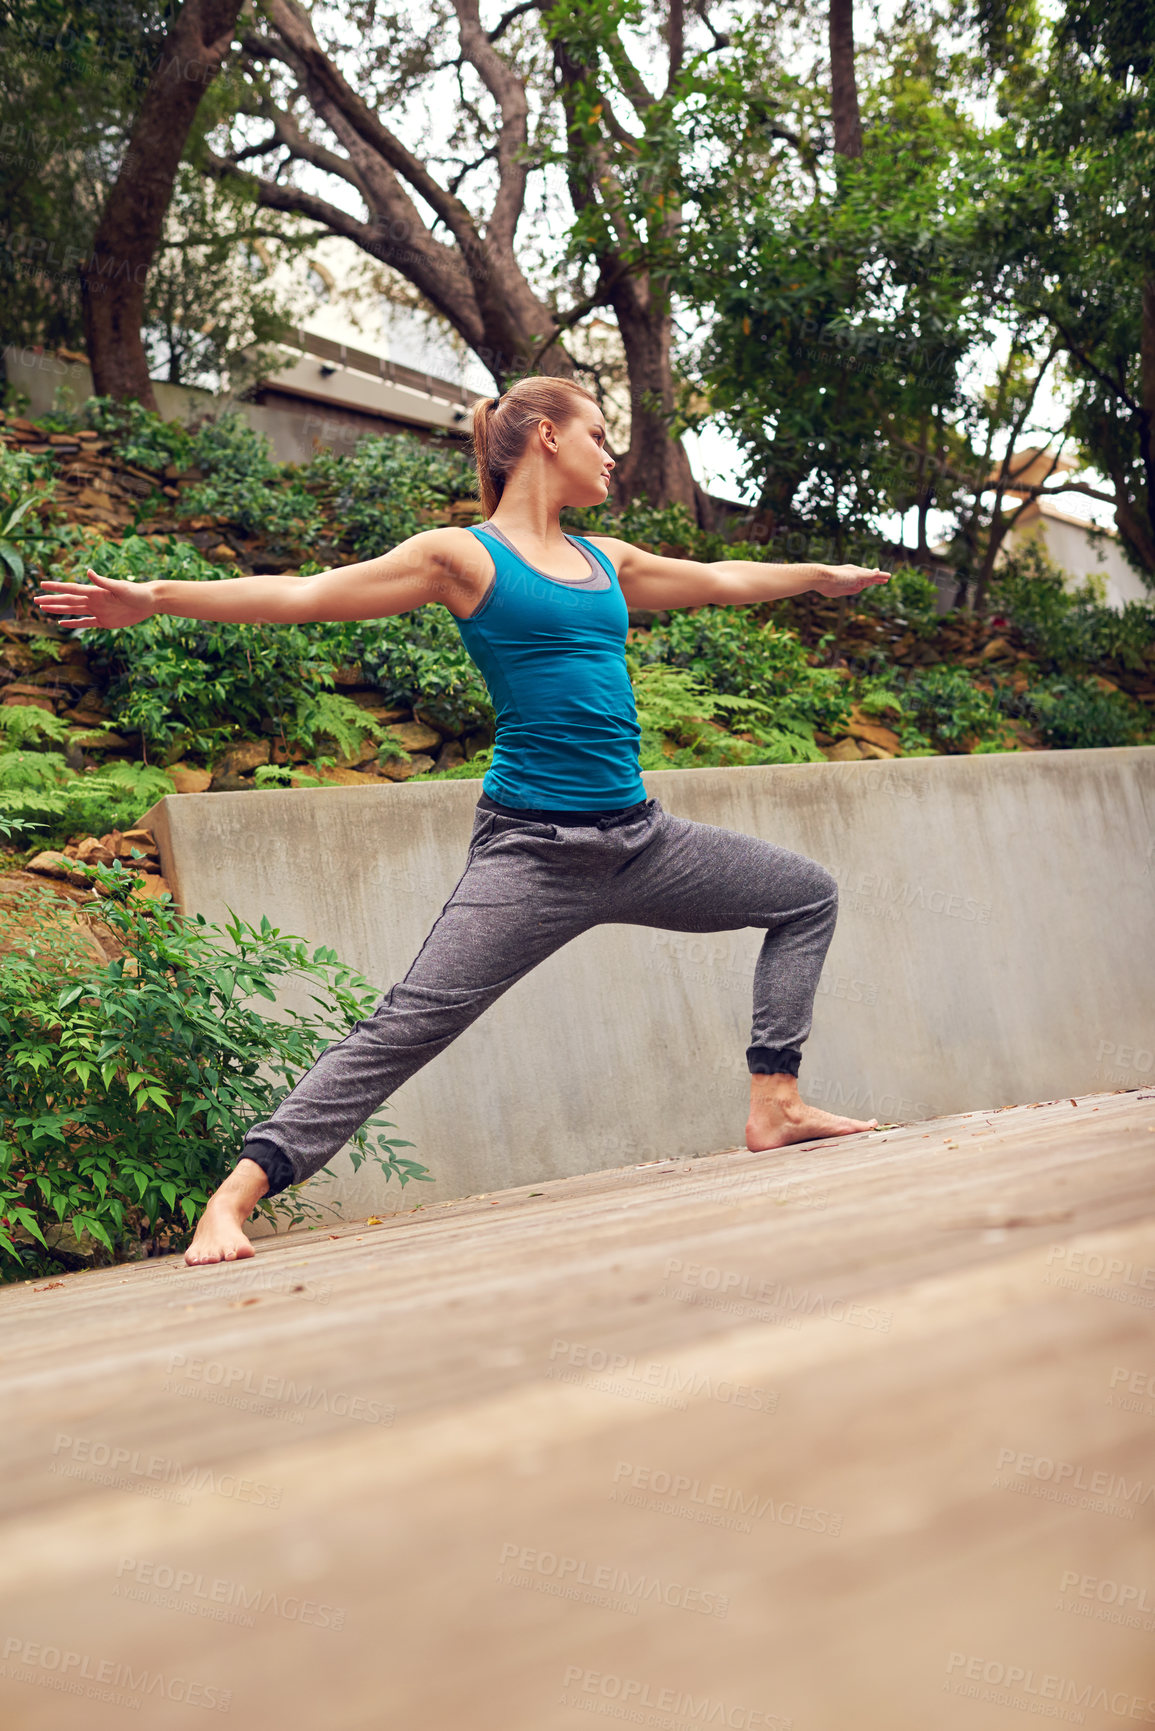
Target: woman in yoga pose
(564,836)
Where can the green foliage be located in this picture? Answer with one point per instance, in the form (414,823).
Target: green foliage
(419,657)
(245,485)
(69,83)
(942,707)
(127,1086)
(1068,630)
(641,523)
(210,316)
(192,684)
(323,719)
(23,485)
(185,684)
(675,713)
(1074,713)
(471,769)
(31,771)
(282,775)
(20,728)
(909,597)
(40,792)
(139,435)
(379,491)
(734,653)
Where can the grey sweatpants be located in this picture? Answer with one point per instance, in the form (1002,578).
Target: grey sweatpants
(528,888)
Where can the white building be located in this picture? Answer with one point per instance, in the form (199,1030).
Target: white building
(1086,551)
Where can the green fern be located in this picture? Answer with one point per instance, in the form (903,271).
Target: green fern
(671,699)
(325,718)
(38,791)
(778,737)
(21,726)
(25,771)
(283,775)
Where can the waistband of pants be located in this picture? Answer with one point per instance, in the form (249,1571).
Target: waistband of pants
(566,819)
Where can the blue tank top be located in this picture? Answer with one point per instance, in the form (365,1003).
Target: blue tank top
(551,652)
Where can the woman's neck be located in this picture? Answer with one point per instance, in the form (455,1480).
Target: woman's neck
(529,515)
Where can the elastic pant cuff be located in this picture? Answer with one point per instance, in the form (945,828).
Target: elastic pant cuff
(276,1165)
(773,1060)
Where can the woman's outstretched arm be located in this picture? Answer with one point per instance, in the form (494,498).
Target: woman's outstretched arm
(427,567)
(648,580)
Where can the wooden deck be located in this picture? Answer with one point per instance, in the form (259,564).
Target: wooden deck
(858,1437)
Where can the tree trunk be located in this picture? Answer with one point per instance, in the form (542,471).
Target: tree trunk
(114,278)
(843,84)
(656,466)
(1143,540)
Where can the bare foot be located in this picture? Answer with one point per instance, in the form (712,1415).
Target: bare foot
(778,1116)
(220,1235)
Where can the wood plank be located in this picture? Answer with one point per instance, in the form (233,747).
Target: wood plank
(898,1381)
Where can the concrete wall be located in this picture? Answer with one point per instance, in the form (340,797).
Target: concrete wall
(995,945)
(325,411)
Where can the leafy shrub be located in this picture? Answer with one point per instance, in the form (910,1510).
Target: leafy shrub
(140,436)
(20,727)
(1068,630)
(675,714)
(942,705)
(419,657)
(246,485)
(127,1086)
(194,684)
(24,484)
(471,769)
(323,718)
(652,525)
(732,653)
(1074,713)
(379,491)
(910,596)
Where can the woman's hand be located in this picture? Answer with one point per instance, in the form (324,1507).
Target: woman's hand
(105,602)
(847,579)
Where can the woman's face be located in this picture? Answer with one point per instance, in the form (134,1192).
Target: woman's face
(582,464)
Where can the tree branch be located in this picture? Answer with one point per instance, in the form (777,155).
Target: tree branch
(436,270)
(508,91)
(721,39)
(286,132)
(607,282)
(326,86)
(675,42)
(843,84)
(507,19)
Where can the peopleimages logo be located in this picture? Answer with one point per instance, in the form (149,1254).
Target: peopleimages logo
(217,1597)
(679,1494)
(237,1384)
(1072,1482)
(731,1283)
(1106,1592)
(83,1457)
(75,1673)
(526,1566)
(1021,1685)
(668,1384)
(614,1696)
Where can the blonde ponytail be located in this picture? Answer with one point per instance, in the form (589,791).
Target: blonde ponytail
(502,427)
(489,492)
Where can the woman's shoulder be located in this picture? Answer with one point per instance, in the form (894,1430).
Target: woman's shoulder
(465,560)
(609,547)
